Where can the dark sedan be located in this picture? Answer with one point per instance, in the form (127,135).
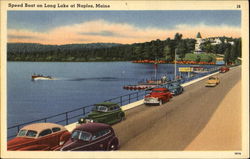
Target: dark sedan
(175,88)
(92,137)
(106,112)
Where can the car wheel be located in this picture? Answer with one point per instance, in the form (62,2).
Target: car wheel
(121,117)
(112,147)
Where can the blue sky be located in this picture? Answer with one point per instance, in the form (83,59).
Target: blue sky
(45,21)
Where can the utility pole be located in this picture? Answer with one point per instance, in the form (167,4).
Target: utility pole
(175,64)
(155,67)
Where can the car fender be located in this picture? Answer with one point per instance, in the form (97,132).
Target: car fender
(35,147)
(64,138)
(114,140)
(122,114)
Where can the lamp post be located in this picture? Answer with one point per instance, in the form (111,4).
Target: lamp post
(175,64)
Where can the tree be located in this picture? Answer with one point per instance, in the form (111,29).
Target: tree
(215,49)
(221,48)
(238,46)
(137,51)
(207,47)
(181,49)
(178,37)
(148,51)
(227,56)
(233,54)
(167,53)
(190,45)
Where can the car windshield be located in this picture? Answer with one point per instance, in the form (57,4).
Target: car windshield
(28,133)
(101,108)
(175,84)
(22,133)
(81,135)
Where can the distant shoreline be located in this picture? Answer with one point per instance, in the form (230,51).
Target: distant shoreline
(63,61)
(105,61)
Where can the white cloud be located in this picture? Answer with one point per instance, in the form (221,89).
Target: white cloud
(103,31)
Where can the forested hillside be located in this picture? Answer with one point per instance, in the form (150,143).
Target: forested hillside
(155,49)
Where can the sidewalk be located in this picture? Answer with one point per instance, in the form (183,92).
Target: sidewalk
(223,131)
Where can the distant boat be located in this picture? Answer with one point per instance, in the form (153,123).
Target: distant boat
(41,77)
(199,70)
(145,85)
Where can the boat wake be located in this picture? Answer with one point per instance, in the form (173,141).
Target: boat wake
(84,79)
(94,79)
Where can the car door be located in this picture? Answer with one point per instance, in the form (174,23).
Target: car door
(57,132)
(104,117)
(111,115)
(46,137)
(165,96)
(117,113)
(100,140)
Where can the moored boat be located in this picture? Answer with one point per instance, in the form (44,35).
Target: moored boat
(138,87)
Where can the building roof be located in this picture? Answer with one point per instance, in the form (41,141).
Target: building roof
(198,35)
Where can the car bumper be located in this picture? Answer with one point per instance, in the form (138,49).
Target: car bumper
(176,92)
(151,101)
(211,84)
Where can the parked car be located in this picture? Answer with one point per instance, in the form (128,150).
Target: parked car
(212,81)
(39,136)
(224,69)
(175,88)
(91,137)
(157,96)
(106,112)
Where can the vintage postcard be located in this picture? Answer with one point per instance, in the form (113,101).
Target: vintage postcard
(124,79)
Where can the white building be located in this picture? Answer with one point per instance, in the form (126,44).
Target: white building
(198,43)
(215,41)
(212,40)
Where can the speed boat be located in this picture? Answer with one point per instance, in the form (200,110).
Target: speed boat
(41,77)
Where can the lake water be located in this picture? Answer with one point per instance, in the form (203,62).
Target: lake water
(77,84)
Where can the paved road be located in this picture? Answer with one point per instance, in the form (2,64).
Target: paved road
(223,131)
(175,124)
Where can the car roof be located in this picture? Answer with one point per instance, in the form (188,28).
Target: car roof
(42,126)
(108,104)
(93,127)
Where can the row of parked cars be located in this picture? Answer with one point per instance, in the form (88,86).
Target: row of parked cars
(50,136)
(93,132)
